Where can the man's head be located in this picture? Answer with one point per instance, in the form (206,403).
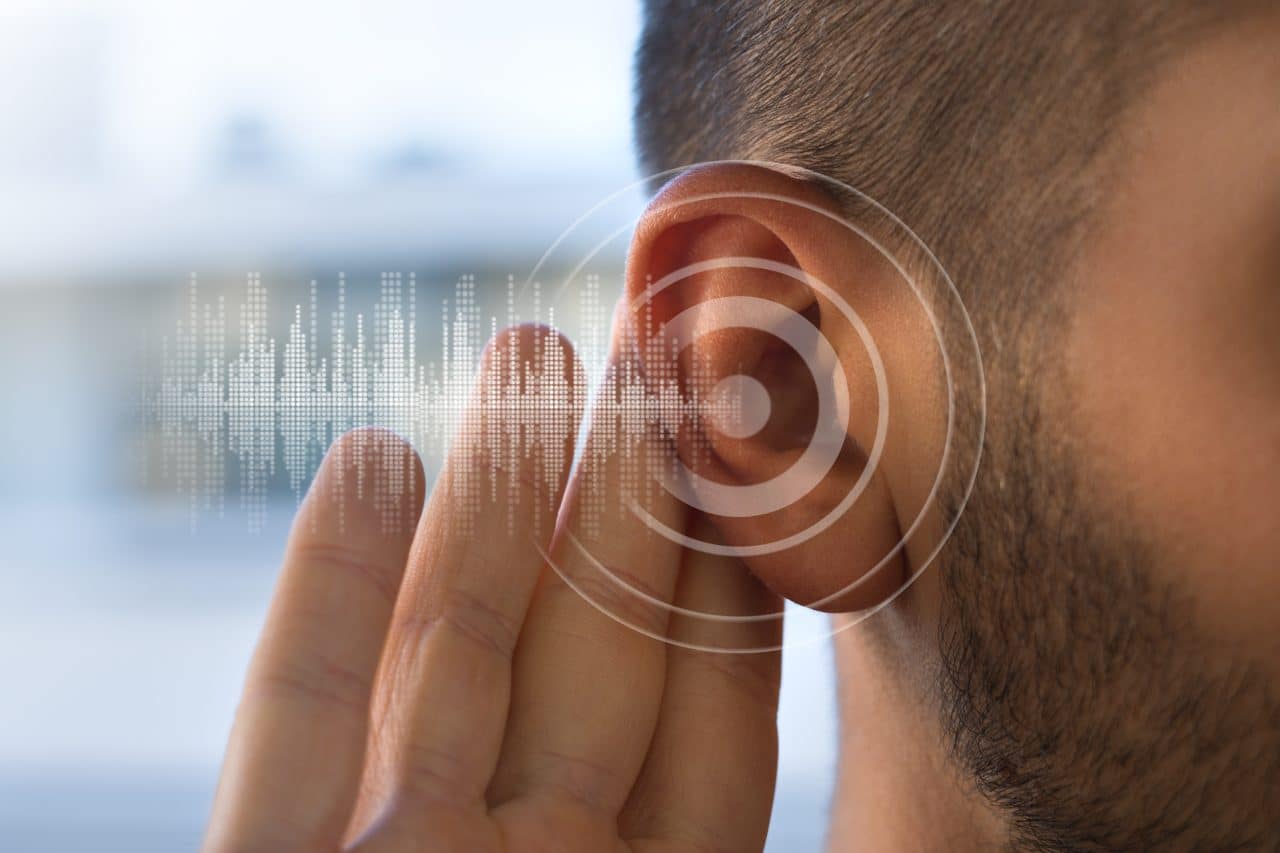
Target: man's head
(1102,183)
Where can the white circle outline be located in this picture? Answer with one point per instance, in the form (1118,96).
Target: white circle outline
(882,421)
(832,426)
(946,362)
(980,374)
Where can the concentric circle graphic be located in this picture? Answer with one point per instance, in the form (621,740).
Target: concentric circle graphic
(832,418)
(948,321)
(753,401)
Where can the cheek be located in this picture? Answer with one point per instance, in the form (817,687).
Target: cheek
(1174,359)
(1177,422)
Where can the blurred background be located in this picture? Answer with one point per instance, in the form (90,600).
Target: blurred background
(142,141)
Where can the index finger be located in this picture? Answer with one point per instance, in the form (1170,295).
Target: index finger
(294,758)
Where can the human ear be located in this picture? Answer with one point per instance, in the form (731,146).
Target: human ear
(791,331)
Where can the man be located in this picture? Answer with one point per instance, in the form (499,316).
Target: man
(1090,662)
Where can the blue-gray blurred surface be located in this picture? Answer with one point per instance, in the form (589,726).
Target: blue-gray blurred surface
(142,140)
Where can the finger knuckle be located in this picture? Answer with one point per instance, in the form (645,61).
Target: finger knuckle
(350,565)
(432,774)
(624,595)
(747,675)
(468,616)
(317,680)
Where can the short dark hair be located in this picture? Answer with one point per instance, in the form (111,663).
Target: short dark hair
(991,129)
(981,125)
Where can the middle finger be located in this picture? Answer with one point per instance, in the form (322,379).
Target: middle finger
(587,686)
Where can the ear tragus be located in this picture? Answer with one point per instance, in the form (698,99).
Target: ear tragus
(704,253)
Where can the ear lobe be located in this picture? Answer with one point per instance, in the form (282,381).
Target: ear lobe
(723,256)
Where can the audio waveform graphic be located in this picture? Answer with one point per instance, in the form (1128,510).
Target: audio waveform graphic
(253,413)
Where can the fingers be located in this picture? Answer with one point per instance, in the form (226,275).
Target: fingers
(293,762)
(587,687)
(474,565)
(708,781)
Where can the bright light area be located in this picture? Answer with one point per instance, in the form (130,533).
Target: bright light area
(141,140)
(285,129)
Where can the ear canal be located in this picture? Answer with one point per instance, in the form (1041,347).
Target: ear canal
(730,284)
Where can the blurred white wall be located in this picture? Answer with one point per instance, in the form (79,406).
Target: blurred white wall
(141,140)
(290,129)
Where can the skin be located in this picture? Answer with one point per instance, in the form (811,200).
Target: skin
(1174,360)
(429,690)
(504,711)
(1163,442)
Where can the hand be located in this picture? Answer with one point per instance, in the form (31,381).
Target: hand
(444,690)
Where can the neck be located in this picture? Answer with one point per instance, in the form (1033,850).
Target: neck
(896,789)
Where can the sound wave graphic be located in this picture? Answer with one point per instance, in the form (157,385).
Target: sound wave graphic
(221,415)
